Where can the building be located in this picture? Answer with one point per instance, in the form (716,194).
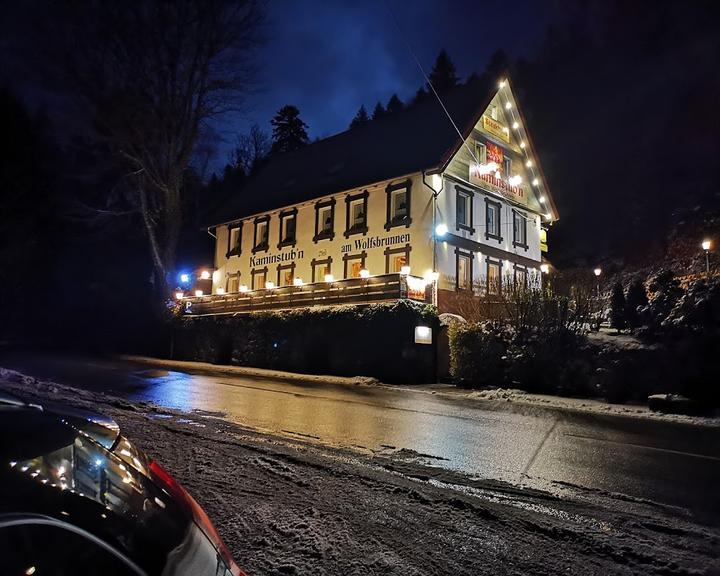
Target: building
(399,207)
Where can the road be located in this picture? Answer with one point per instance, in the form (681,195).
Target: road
(671,463)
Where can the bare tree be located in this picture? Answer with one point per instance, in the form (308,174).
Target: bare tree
(251,149)
(150,74)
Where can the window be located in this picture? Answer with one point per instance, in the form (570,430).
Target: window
(481,152)
(521,277)
(234,239)
(259,278)
(233,282)
(398,205)
(262,232)
(356,214)
(286,274)
(353,264)
(396,258)
(494,112)
(492,219)
(288,225)
(493,276)
(519,229)
(320,268)
(463,270)
(324,220)
(463,210)
(507,165)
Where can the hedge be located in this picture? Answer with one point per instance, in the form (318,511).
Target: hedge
(375,340)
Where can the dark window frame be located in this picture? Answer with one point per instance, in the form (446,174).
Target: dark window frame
(406,220)
(362,256)
(523,218)
(281,268)
(493,262)
(319,233)
(320,262)
(392,251)
(228,276)
(349,199)
(520,267)
(488,234)
(236,250)
(285,214)
(262,247)
(459,253)
(461,192)
(481,157)
(257,272)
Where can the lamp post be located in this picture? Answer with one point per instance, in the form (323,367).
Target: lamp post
(706,245)
(597,273)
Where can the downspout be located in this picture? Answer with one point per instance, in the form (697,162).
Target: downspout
(435,194)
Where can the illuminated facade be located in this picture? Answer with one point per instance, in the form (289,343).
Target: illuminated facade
(486,189)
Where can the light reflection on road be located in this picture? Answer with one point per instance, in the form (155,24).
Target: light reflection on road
(667,462)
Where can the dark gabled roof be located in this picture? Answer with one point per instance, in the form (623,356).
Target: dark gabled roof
(415,139)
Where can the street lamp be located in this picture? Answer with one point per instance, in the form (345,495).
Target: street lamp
(706,245)
(441,230)
(597,273)
(544,268)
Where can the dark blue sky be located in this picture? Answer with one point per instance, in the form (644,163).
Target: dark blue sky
(328,57)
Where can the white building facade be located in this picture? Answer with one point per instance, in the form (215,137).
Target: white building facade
(480,215)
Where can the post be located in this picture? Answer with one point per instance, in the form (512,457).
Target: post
(707,263)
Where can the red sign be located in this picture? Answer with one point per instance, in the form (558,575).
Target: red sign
(494,154)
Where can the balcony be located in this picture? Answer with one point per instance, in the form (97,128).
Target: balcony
(383,288)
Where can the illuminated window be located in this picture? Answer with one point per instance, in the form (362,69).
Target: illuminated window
(353,264)
(519,229)
(396,258)
(320,268)
(463,273)
(464,210)
(494,112)
(521,276)
(493,276)
(234,239)
(288,225)
(286,274)
(492,219)
(233,283)
(259,278)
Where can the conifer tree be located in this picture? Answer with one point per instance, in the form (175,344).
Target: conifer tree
(443,76)
(360,118)
(379,111)
(394,104)
(636,298)
(617,308)
(289,131)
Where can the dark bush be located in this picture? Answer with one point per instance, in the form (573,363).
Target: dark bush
(375,340)
(636,300)
(618,319)
(478,354)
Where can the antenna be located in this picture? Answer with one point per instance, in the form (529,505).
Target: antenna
(427,79)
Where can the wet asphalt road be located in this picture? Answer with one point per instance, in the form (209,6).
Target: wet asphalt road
(670,463)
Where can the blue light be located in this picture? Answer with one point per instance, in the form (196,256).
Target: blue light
(184,278)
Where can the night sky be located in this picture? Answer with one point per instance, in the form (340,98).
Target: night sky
(328,58)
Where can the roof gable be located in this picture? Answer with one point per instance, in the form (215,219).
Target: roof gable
(418,138)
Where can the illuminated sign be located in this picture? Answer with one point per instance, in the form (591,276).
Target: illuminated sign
(495,128)
(543,240)
(494,153)
(487,181)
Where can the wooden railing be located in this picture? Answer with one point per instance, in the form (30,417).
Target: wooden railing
(382,288)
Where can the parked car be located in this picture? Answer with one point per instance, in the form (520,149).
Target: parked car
(77,497)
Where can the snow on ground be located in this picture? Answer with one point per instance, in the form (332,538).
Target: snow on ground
(289,507)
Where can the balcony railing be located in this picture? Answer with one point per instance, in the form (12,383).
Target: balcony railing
(383,288)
